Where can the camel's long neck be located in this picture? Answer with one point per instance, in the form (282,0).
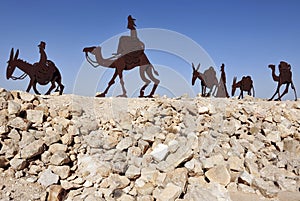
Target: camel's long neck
(274,76)
(24,66)
(101,60)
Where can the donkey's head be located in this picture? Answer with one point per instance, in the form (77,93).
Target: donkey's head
(195,73)
(11,64)
(233,86)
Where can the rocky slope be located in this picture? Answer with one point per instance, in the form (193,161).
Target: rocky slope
(81,148)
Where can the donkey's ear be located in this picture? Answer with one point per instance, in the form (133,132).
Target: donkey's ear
(193,66)
(198,66)
(11,54)
(17,54)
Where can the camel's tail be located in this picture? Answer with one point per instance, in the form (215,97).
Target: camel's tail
(155,71)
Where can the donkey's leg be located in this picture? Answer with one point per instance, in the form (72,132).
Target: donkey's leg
(143,77)
(30,85)
(203,89)
(293,87)
(241,95)
(35,89)
(51,87)
(111,82)
(149,72)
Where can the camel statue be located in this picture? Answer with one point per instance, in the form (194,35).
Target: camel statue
(38,75)
(126,62)
(208,80)
(245,84)
(130,54)
(285,77)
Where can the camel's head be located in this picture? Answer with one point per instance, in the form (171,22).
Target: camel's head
(195,73)
(233,86)
(272,66)
(11,64)
(87,50)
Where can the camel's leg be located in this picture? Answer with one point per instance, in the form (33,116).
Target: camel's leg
(120,73)
(35,89)
(60,86)
(277,91)
(151,76)
(293,87)
(214,90)
(51,87)
(143,77)
(111,82)
(285,91)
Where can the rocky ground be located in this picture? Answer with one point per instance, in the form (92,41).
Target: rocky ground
(81,148)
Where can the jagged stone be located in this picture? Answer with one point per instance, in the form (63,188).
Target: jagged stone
(266,188)
(33,149)
(169,193)
(4,162)
(18,163)
(62,171)
(132,172)
(57,147)
(124,143)
(35,116)
(159,152)
(56,193)
(218,174)
(19,123)
(59,158)
(48,178)
(13,107)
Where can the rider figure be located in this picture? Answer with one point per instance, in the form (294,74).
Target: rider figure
(131,25)
(43,56)
(130,44)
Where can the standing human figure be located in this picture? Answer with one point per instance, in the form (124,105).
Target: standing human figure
(223,78)
(222,89)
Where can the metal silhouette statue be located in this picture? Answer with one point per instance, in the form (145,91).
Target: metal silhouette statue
(130,54)
(208,80)
(245,84)
(222,89)
(285,77)
(41,72)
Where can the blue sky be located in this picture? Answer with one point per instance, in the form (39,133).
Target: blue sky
(245,35)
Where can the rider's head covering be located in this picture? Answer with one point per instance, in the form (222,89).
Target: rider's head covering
(42,44)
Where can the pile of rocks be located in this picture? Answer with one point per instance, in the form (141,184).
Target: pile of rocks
(81,148)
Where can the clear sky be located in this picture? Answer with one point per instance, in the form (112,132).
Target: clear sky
(245,35)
